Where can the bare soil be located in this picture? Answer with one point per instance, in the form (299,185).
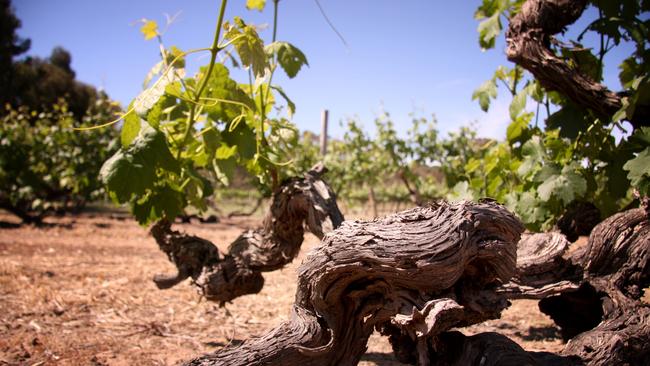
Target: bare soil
(78,291)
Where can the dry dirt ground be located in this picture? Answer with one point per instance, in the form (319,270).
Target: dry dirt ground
(78,291)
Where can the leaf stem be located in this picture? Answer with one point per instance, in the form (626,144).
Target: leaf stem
(264,96)
(214,50)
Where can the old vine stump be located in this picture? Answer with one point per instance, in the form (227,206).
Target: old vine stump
(414,275)
(298,204)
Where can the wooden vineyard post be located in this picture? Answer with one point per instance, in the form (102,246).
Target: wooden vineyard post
(323,132)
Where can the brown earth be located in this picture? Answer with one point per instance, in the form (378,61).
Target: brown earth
(78,291)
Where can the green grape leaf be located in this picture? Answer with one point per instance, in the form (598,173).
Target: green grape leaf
(174,57)
(197,189)
(211,141)
(533,153)
(462,191)
(290,58)
(537,92)
(472,165)
(149,29)
(124,178)
(546,172)
(484,93)
(531,210)
(130,129)
(517,127)
(156,112)
(518,103)
(221,88)
(489,7)
(225,152)
(617,182)
(494,188)
(150,96)
(161,202)
(629,70)
(488,30)
(566,186)
(255,4)
(641,137)
(570,119)
(242,137)
(225,169)
(248,45)
(584,61)
(132,171)
(639,169)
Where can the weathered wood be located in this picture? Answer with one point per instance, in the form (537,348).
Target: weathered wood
(421,271)
(544,268)
(621,338)
(418,274)
(298,204)
(528,39)
(620,246)
(593,294)
(541,260)
(323,132)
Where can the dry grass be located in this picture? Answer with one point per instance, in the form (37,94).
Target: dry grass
(78,291)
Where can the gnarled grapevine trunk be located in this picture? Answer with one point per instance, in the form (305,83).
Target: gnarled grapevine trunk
(593,294)
(528,39)
(418,273)
(298,204)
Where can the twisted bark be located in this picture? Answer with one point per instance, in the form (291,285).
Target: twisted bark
(421,271)
(297,205)
(528,39)
(418,274)
(593,294)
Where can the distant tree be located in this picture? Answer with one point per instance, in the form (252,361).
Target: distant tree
(10,46)
(38,83)
(34,82)
(46,166)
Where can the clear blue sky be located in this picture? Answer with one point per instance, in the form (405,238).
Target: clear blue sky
(406,56)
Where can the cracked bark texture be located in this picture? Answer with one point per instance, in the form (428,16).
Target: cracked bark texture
(418,274)
(421,271)
(299,204)
(593,294)
(528,39)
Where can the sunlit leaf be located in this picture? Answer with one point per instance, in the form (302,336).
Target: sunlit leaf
(639,170)
(130,129)
(290,58)
(248,45)
(132,171)
(518,103)
(255,4)
(485,92)
(489,29)
(149,29)
(150,96)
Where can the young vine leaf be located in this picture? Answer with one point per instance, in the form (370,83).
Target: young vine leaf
(290,58)
(248,45)
(149,29)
